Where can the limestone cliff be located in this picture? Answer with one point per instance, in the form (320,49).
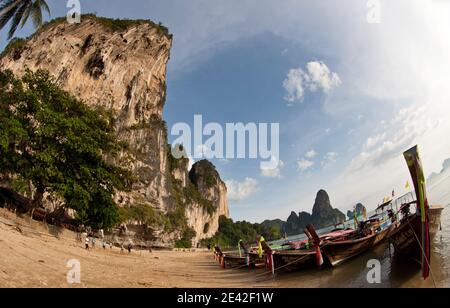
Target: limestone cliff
(121,66)
(204,216)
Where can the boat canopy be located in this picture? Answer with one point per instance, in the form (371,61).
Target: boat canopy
(385,204)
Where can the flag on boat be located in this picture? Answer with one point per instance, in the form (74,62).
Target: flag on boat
(260,249)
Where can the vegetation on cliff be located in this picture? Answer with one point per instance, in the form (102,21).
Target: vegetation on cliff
(19,11)
(230,233)
(192,192)
(203,174)
(58,144)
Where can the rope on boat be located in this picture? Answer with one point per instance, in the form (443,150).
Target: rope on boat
(423,252)
(245,265)
(283,266)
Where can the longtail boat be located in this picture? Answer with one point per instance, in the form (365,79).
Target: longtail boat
(262,256)
(340,251)
(236,261)
(406,239)
(291,260)
(240,260)
(341,245)
(306,254)
(413,236)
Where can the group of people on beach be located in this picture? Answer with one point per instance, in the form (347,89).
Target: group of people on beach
(90,242)
(90,239)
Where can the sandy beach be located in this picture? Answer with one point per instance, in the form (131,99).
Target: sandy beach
(34,255)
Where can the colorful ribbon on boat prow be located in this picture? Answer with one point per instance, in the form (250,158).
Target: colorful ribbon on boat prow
(260,249)
(412,158)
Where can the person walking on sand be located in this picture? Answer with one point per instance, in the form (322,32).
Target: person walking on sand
(129,248)
(86,243)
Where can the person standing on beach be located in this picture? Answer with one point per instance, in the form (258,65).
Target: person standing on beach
(86,243)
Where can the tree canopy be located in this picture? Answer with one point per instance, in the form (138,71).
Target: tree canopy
(230,233)
(60,145)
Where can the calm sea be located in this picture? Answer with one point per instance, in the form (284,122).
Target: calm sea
(395,272)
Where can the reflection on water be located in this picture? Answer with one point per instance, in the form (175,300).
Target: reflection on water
(395,272)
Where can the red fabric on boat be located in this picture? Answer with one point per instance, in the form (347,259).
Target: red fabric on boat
(337,234)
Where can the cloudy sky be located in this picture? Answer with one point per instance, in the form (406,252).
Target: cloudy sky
(351,86)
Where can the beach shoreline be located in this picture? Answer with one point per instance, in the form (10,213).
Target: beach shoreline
(35,255)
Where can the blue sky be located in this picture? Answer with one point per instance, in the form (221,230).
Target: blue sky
(361,93)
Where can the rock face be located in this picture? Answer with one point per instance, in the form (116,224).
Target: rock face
(121,66)
(203,216)
(323,215)
(350,215)
(292,225)
(360,209)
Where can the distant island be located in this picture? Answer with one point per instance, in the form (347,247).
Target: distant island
(359,211)
(436,177)
(323,215)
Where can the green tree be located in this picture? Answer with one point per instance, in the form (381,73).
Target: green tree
(60,145)
(19,11)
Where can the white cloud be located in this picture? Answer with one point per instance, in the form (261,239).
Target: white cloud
(294,85)
(304,164)
(330,158)
(316,77)
(311,154)
(238,191)
(321,77)
(373,141)
(405,129)
(274,172)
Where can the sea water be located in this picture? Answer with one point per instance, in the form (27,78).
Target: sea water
(394,271)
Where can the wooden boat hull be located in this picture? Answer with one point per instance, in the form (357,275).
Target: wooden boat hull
(292,260)
(338,252)
(234,261)
(256,261)
(435,219)
(406,237)
(380,237)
